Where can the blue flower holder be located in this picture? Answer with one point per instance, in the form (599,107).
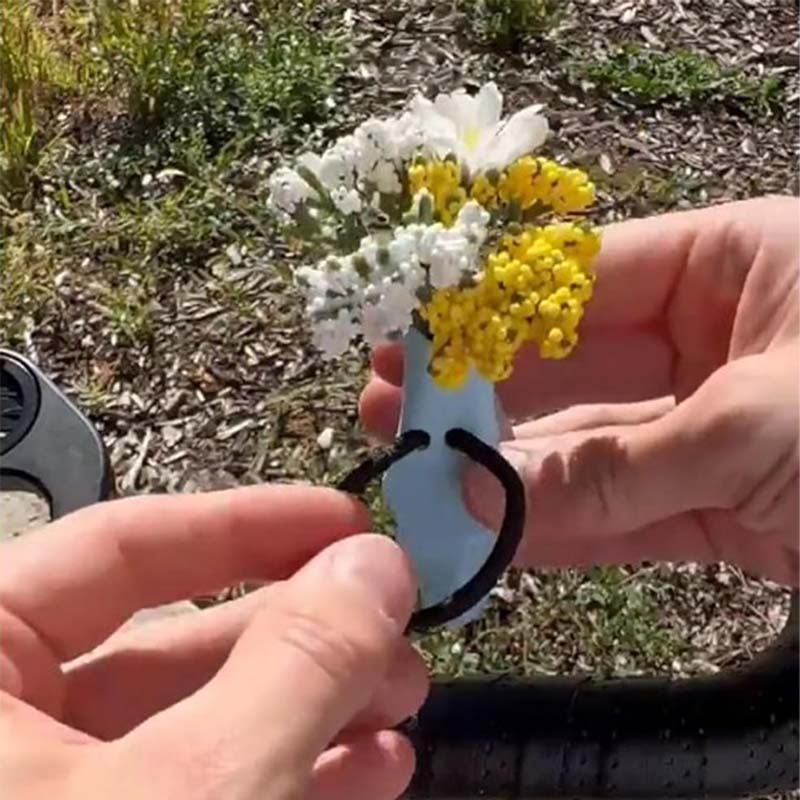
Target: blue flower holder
(457,560)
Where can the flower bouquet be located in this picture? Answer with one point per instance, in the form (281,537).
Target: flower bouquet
(446,229)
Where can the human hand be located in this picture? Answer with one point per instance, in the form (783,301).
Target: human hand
(286,693)
(684,442)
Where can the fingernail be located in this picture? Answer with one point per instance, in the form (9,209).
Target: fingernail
(376,566)
(484,495)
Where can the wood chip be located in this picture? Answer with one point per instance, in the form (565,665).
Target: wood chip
(131,477)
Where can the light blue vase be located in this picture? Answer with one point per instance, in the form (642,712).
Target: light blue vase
(445,543)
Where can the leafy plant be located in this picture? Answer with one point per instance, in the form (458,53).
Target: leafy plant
(146,47)
(26,278)
(507,23)
(652,76)
(31,73)
(193,69)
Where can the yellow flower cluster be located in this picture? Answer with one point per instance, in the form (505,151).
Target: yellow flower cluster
(533,289)
(530,180)
(443,180)
(527,181)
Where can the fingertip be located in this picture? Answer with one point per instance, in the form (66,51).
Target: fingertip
(387,361)
(379,409)
(374,766)
(400,752)
(402,693)
(378,568)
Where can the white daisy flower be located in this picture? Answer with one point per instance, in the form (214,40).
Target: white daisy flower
(471,128)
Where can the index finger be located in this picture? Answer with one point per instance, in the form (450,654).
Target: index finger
(79,578)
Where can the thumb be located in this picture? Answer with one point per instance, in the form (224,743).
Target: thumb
(615,479)
(308,663)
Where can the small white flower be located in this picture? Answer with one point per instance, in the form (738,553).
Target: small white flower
(333,336)
(347,201)
(341,276)
(337,167)
(409,136)
(470,127)
(403,247)
(311,161)
(449,258)
(384,176)
(286,191)
(428,235)
(374,143)
(368,249)
(373,325)
(377,155)
(473,217)
(399,302)
(390,314)
(314,279)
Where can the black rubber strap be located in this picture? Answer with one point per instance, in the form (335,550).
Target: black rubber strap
(357,480)
(475,589)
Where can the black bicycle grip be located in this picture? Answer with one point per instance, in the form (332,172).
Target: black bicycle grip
(728,735)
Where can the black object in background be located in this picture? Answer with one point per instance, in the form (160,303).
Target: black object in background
(46,441)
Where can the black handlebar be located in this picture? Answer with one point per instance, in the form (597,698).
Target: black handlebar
(728,735)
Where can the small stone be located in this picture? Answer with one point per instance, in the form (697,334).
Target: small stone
(171,435)
(232,251)
(606,164)
(748,146)
(325,439)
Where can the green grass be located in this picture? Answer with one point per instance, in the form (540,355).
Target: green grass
(147,175)
(650,76)
(506,24)
(604,622)
(195,68)
(159,83)
(33,77)
(27,272)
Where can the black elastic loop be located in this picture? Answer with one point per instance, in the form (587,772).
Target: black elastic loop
(508,539)
(356,481)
